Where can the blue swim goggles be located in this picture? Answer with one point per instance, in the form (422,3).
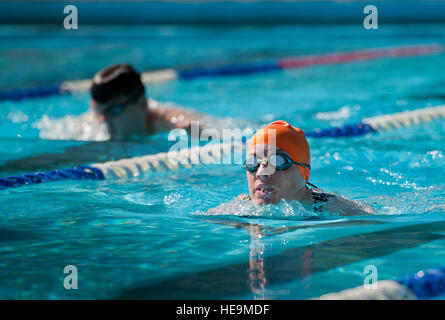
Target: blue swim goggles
(280,161)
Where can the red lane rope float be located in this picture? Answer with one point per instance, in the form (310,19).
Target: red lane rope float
(332,58)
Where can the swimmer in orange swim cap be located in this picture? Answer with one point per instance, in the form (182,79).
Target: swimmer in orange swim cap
(278,164)
(278,168)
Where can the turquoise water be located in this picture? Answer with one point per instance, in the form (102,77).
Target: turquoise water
(149,238)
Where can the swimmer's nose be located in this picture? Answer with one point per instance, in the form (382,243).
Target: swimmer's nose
(265,170)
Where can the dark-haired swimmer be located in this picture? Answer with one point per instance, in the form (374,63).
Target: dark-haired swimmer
(278,167)
(118,98)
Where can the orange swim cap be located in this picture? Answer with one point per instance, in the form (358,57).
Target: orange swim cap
(288,138)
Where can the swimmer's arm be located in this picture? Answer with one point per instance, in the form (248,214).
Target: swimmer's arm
(346,207)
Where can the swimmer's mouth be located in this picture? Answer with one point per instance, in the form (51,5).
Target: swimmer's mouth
(264,190)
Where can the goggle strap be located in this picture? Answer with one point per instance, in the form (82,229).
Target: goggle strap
(314,186)
(302,164)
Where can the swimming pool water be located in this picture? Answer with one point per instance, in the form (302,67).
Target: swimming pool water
(148,237)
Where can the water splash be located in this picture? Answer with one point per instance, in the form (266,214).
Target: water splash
(292,210)
(415,202)
(85,127)
(17,116)
(344,112)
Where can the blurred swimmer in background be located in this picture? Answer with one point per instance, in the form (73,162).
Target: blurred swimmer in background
(119,103)
(119,100)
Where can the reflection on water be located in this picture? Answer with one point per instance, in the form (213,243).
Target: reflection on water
(257,276)
(264,269)
(261,270)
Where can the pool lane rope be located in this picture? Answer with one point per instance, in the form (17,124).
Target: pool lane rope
(382,123)
(424,284)
(68,87)
(212,153)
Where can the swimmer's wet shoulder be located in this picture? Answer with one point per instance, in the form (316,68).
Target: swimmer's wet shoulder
(345,207)
(167,118)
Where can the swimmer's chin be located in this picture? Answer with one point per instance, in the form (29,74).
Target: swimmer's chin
(263,201)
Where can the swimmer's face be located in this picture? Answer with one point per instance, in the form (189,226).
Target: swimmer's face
(267,185)
(123,120)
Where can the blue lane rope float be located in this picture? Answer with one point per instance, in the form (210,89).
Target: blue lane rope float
(77,173)
(349,130)
(424,284)
(29,93)
(214,153)
(233,69)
